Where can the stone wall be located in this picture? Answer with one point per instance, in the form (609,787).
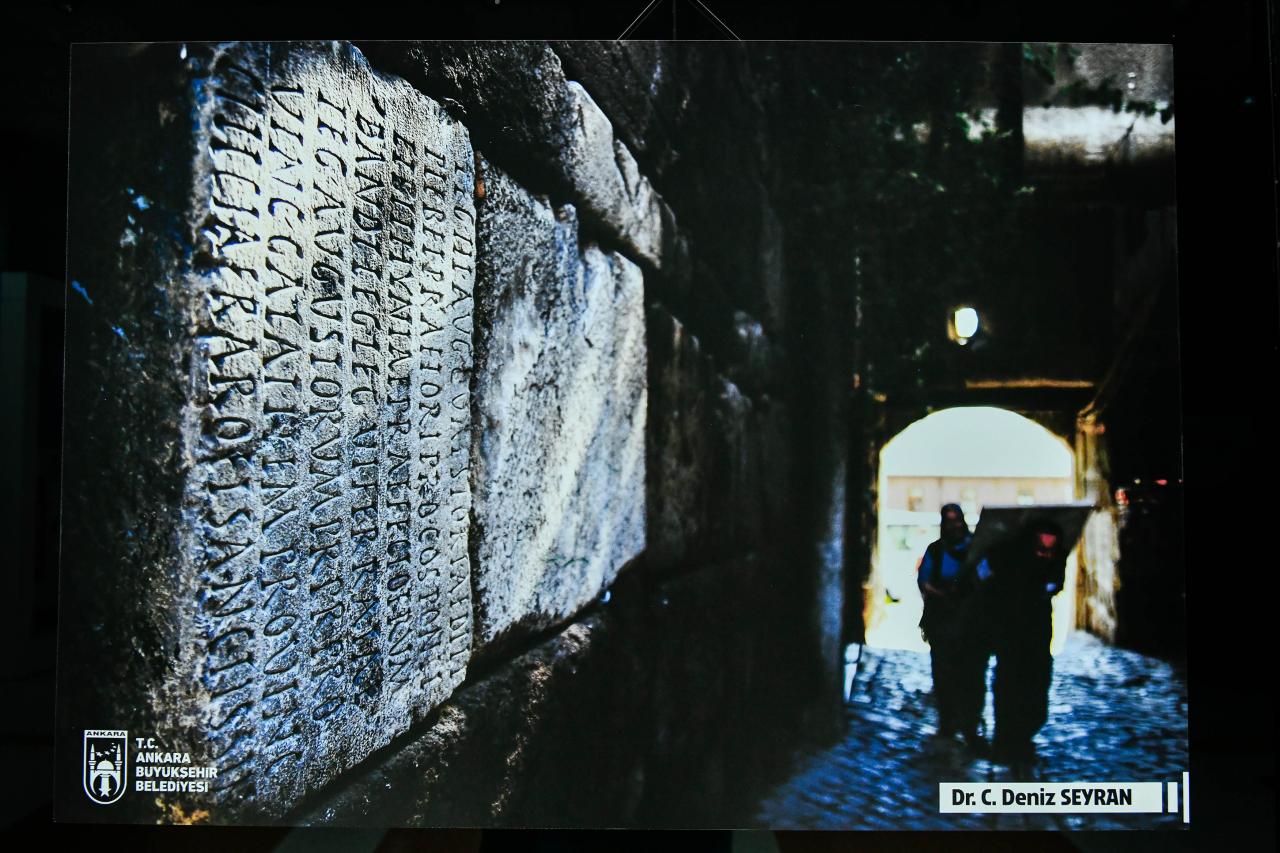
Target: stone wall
(1099,549)
(438,458)
(1130,452)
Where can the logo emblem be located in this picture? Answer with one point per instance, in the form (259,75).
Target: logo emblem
(106,759)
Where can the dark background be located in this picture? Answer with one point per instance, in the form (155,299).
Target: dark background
(1225,81)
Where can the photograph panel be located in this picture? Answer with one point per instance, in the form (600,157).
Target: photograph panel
(622,434)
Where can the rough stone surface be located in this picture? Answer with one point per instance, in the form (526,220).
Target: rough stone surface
(538,717)
(680,488)
(304,592)
(753,487)
(547,132)
(512,95)
(729,203)
(718,463)
(616,720)
(1099,542)
(754,361)
(637,84)
(560,395)
(607,181)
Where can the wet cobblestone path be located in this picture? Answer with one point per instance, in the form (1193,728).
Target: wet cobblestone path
(1114,716)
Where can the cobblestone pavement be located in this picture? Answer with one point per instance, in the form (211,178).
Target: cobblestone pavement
(1114,715)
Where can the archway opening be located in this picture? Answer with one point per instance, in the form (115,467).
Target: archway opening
(972,456)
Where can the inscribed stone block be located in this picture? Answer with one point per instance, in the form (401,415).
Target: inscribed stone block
(286,312)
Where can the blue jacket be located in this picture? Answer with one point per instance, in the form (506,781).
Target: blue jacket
(946,572)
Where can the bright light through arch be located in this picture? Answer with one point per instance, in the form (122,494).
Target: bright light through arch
(977,441)
(971,456)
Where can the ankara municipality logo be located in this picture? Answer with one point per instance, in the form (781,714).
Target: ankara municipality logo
(106,758)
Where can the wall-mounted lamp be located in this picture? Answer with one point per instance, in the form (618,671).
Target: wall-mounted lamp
(963,325)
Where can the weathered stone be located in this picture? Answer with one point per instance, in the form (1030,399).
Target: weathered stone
(718,458)
(560,395)
(730,206)
(677,263)
(753,489)
(607,182)
(754,361)
(622,709)
(740,492)
(540,740)
(681,397)
(754,265)
(544,130)
(512,95)
(636,83)
(304,592)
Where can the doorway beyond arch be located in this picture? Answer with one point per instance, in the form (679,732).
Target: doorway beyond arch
(972,456)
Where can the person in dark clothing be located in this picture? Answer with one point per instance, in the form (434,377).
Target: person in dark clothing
(1026,573)
(952,625)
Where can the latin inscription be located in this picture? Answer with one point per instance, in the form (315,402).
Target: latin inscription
(329,420)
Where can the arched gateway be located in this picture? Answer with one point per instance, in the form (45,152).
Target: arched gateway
(972,456)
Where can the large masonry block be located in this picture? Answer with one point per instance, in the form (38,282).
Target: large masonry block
(607,180)
(638,84)
(272,255)
(540,740)
(561,394)
(717,481)
(683,444)
(547,133)
(511,94)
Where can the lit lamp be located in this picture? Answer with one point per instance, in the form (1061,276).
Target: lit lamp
(964,324)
